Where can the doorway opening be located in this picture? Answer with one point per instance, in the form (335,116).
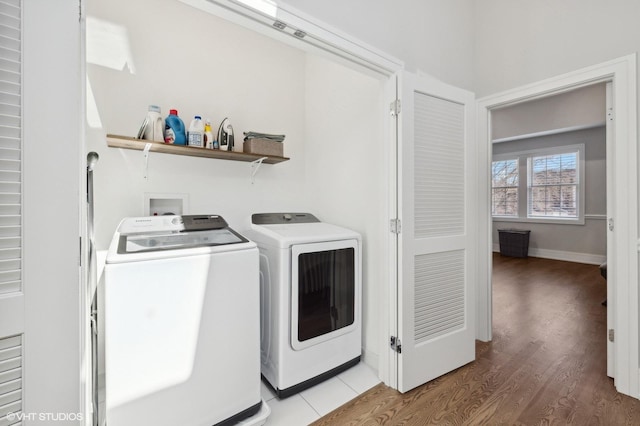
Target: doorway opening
(549,201)
(621,201)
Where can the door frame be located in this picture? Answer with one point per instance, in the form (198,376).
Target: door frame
(622,73)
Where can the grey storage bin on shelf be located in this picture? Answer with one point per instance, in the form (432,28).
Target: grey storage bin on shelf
(514,242)
(263,147)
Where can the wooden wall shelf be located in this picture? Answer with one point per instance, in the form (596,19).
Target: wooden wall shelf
(115,141)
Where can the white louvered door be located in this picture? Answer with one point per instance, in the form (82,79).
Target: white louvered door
(11,296)
(437,254)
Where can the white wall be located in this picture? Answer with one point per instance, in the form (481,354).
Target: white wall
(581,107)
(208,67)
(519,42)
(433,36)
(331,115)
(346,183)
(585,243)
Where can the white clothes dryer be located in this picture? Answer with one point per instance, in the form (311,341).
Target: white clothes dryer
(311,298)
(181,323)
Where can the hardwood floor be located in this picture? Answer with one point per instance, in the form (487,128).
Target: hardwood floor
(546,363)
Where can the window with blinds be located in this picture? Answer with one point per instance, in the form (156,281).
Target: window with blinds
(539,185)
(553,185)
(10,146)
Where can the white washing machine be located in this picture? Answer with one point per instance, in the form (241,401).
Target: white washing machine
(181,323)
(311,297)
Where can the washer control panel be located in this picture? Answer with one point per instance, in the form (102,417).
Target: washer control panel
(172,223)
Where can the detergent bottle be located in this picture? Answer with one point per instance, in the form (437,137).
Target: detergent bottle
(174,132)
(154,129)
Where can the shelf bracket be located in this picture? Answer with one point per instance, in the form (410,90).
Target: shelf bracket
(145,171)
(255,165)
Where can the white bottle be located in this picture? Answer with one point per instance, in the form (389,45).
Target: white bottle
(154,130)
(196,132)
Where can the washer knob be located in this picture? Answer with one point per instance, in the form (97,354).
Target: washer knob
(287,217)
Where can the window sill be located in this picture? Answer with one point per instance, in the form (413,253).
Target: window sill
(549,221)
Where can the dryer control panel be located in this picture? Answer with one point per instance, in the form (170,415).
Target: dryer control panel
(282,218)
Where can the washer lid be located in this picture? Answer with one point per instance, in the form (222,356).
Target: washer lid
(159,237)
(156,241)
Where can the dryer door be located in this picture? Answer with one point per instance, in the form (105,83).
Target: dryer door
(325,291)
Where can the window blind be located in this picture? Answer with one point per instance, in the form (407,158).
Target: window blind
(10,146)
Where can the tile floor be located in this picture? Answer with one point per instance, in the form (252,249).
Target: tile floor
(313,403)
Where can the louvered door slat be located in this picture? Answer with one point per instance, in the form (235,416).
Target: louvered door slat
(10,386)
(10,131)
(10,220)
(10,187)
(14,407)
(10,231)
(9,109)
(10,397)
(10,276)
(10,143)
(9,164)
(10,243)
(11,198)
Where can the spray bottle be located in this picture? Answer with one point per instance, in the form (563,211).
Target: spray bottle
(208,136)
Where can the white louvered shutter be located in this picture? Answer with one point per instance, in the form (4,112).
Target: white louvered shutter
(11,298)
(10,146)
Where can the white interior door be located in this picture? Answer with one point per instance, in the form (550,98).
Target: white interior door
(437,255)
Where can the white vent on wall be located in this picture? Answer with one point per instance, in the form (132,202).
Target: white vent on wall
(439,179)
(10,147)
(10,380)
(439,294)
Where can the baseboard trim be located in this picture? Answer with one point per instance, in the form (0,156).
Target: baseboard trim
(567,256)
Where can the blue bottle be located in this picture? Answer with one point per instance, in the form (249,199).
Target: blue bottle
(174,131)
